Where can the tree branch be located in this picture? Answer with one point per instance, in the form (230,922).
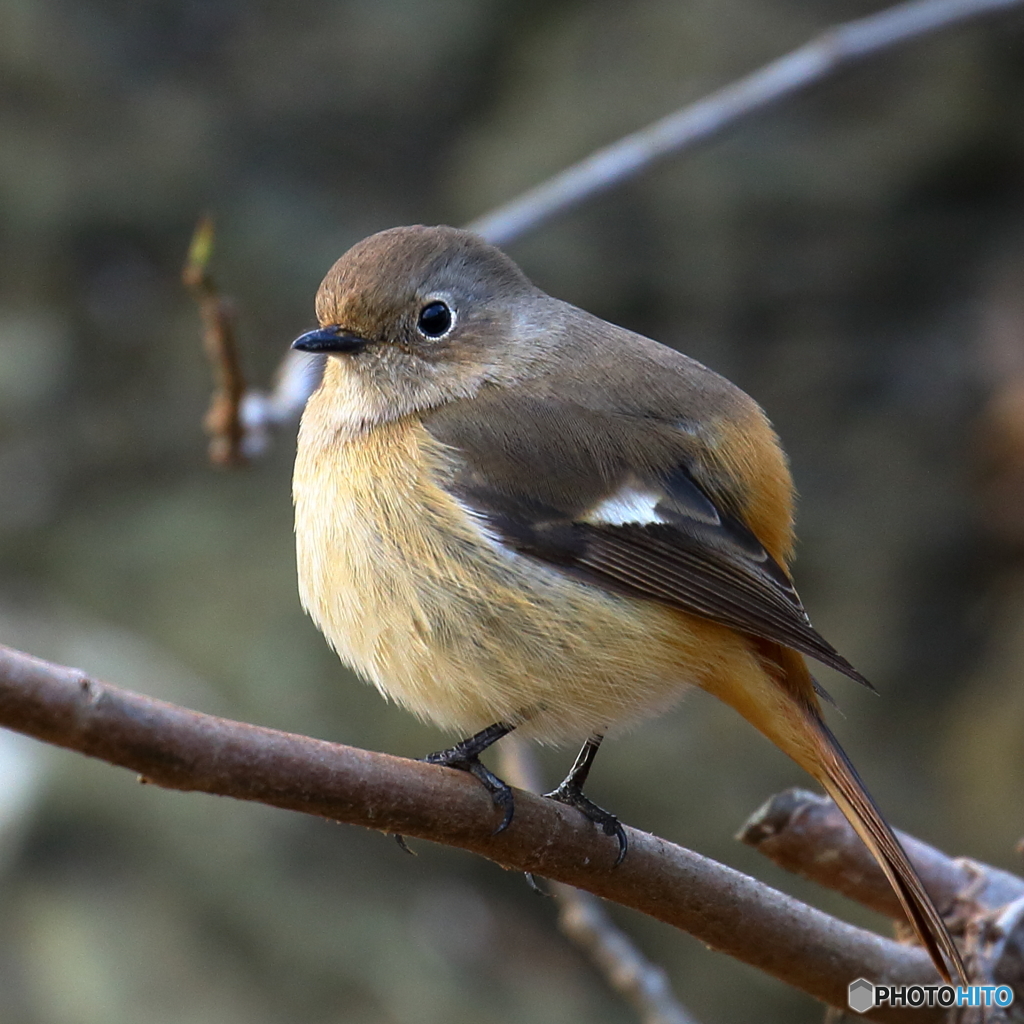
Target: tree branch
(185,750)
(257,413)
(584,921)
(806,833)
(834,49)
(228,435)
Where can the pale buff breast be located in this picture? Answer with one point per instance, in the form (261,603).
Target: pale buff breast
(413,594)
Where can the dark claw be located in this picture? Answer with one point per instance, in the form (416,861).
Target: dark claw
(573,796)
(531,881)
(464,757)
(501,792)
(400,839)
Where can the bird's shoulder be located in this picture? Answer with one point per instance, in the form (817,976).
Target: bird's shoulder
(605,410)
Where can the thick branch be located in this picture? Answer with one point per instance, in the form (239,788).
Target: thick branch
(834,49)
(984,906)
(584,920)
(185,750)
(807,834)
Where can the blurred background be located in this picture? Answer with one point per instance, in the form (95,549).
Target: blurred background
(854,259)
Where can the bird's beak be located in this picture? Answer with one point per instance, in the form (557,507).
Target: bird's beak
(329,339)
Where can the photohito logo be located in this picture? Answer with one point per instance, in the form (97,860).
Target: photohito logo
(864,995)
(861,995)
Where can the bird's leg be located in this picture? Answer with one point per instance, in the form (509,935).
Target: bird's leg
(465,756)
(571,792)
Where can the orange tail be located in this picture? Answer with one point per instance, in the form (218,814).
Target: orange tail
(842,783)
(785,709)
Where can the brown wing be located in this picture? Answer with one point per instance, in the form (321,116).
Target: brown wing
(600,514)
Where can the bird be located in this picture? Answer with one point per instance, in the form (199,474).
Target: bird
(511,514)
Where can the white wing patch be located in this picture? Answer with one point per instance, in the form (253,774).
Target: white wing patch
(629,505)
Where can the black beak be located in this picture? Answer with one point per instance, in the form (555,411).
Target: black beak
(329,339)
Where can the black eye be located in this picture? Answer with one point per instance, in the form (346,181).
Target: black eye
(434,320)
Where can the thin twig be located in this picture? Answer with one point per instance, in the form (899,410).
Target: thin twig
(240,421)
(684,129)
(181,749)
(834,49)
(585,922)
(223,418)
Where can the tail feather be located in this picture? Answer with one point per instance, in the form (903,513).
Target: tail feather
(780,700)
(842,783)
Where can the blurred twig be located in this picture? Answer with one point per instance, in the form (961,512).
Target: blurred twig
(239,420)
(584,921)
(684,129)
(223,418)
(834,49)
(181,749)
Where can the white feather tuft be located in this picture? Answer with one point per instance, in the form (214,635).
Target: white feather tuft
(626,506)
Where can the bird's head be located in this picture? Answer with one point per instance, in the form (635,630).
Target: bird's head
(418,316)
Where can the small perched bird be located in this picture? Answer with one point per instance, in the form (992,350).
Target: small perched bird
(511,514)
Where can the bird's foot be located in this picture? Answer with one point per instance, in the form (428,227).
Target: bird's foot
(572,795)
(466,757)
(501,792)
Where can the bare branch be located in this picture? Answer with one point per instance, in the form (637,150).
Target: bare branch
(585,922)
(223,418)
(261,412)
(806,833)
(185,750)
(240,421)
(834,49)
(299,375)
(643,983)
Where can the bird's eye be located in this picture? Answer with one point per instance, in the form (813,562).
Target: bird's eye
(435,320)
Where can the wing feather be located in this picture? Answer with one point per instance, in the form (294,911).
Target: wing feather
(568,505)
